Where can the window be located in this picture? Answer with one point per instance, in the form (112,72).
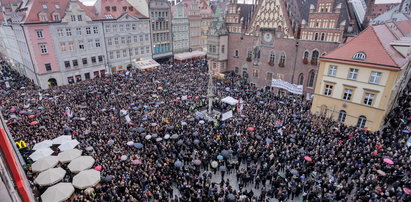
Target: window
(368,98)
(311,79)
(90,43)
(100,58)
(128,27)
(136,51)
(78,31)
(124,53)
(48,67)
(88,30)
(347,94)
(121,28)
(81,45)
(118,54)
(359,56)
(133,26)
(314,57)
(68,32)
(236,54)
(39,34)
(375,77)
(332,70)
(306,55)
(87,76)
(97,43)
(114,28)
(71,46)
(67,64)
(282,60)
(108,28)
(255,73)
(70,79)
(73,18)
(269,76)
(60,32)
(111,55)
(63,46)
(341,116)
(222,48)
(109,42)
(141,37)
(57,6)
(43,48)
(116,41)
(84,61)
(95,30)
(272,58)
(114,8)
(352,75)
(79,18)
(93,59)
(123,40)
(328,90)
(146,37)
(128,39)
(147,49)
(75,63)
(300,79)
(361,121)
(249,54)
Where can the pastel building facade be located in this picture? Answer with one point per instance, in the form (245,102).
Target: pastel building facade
(359,82)
(160,19)
(181,28)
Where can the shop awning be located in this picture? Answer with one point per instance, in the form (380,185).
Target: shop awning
(189,55)
(146,64)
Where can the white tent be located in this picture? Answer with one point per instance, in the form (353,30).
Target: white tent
(146,64)
(86,178)
(68,145)
(62,139)
(43,144)
(40,153)
(230,100)
(58,192)
(50,176)
(44,163)
(81,163)
(189,55)
(69,155)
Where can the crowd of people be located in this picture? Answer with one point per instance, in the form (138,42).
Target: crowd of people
(272,148)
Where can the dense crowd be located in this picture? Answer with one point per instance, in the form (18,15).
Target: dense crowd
(264,146)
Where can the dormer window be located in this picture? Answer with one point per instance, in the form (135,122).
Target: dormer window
(43,17)
(56,17)
(124,8)
(57,6)
(107,8)
(130,8)
(114,8)
(44,6)
(359,56)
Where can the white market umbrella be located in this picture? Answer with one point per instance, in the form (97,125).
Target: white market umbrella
(43,145)
(44,163)
(68,145)
(62,139)
(69,155)
(50,176)
(86,178)
(41,153)
(59,192)
(81,163)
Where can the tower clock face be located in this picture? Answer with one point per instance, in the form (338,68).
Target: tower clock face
(268,37)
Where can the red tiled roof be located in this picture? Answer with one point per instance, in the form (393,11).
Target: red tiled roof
(34,7)
(375,43)
(119,5)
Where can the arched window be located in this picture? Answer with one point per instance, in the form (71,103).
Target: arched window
(281,63)
(322,36)
(361,121)
(341,116)
(249,54)
(314,57)
(306,55)
(316,36)
(311,79)
(301,79)
(272,57)
(236,54)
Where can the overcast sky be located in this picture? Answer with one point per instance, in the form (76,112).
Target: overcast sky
(91,2)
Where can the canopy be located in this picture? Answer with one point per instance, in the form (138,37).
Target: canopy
(50,176)
(146,64)
(40,153)
(43,144)
(44,163)
(68,145)
(189,55)
(230,100)
(86,178)
(69,155)
(61,139)
(81,163)
(58,192)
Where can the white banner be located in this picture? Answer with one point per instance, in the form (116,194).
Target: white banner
(227,115)
(292,88)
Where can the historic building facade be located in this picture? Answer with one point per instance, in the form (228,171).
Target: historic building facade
(359,82)
(264,46)
(181,28)
(160,20)
(217,43)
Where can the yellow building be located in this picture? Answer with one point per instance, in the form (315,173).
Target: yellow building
(358,83)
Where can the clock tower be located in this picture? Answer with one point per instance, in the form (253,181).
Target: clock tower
(267,36)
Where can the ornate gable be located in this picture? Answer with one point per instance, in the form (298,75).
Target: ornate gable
(127,17)
(270,14)
(75,13)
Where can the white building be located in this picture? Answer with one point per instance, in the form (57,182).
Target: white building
(180,28)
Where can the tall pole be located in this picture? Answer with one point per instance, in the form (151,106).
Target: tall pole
(210,91)
(295,61)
